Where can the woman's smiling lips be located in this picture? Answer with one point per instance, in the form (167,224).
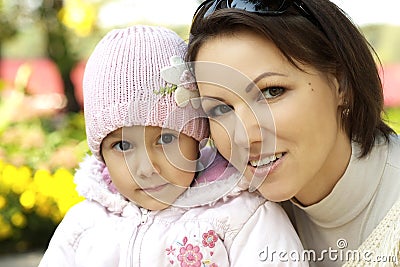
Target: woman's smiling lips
(261,166)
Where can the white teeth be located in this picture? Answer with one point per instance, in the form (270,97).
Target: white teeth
(265,161)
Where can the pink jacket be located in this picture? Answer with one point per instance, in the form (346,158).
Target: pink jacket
(239,229)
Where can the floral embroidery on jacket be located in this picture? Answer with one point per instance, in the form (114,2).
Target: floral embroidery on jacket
(190,256)
(170,250)
(209,239)
(194,253)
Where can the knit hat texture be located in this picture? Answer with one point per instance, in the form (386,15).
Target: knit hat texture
(120,83)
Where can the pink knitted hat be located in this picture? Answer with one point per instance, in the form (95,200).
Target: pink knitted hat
(121,81)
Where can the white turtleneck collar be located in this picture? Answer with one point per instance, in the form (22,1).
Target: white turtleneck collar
(353,191)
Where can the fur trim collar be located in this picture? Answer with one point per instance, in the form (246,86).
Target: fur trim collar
(91,185)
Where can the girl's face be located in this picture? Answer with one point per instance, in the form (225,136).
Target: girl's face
(149,165)
(278,124)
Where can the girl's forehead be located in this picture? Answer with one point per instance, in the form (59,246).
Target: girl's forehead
(140,130)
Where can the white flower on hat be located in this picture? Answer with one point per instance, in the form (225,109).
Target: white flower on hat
(184,84)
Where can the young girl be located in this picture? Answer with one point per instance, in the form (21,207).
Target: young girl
(144,149)
(307,121)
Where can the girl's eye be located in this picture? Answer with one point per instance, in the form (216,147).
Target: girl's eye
(272,92)
(219,110)
(122,146)
(166,139)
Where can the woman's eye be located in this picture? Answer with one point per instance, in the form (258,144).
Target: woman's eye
(166,139)
(219,110)
(272,92)
(122,146)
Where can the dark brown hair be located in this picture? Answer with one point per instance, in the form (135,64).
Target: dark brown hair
(334,45)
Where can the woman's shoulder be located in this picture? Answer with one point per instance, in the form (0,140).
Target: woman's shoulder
(386,154)
(390,182)
(394,150)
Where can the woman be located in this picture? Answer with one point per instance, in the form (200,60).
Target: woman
(295,101)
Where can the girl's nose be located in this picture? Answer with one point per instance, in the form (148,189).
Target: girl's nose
(143,166)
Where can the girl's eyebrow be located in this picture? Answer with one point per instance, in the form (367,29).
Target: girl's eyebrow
(115,134)
(261,76)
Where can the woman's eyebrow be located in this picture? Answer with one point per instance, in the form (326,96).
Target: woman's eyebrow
(261,76)
(211,98)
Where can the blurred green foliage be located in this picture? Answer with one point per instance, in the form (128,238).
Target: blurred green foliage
(32,203)
(44,142)
(385,39)
(38,157)
(392,117)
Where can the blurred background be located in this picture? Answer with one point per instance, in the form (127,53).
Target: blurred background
(44,45)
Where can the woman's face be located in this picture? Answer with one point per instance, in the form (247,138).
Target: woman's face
(278,124)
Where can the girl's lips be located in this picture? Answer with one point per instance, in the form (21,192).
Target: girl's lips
(154,188)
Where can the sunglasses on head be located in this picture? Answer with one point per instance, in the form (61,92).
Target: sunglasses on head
(260,7)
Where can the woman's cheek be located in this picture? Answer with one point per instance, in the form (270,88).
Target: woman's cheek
(222,139)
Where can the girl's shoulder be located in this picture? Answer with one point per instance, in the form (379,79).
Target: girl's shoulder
(79,219)
(235,210)
(87,214)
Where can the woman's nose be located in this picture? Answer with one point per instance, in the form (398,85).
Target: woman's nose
(247,128)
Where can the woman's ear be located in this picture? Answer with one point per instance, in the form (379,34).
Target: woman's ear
(339,93)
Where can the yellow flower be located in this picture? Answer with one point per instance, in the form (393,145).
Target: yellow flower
(18,219)
(79,16)
(28,199)
(44,210)
(3,202)
(22,180)
(65,193)
(55,215)
(44,182)
(5,229)
(9,173)
(41,200)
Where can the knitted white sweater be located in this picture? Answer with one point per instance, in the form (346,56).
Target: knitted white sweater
(382,247)
(359,220)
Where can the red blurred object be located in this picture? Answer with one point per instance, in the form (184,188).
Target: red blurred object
(77,77)
(44,79)
(391,84)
